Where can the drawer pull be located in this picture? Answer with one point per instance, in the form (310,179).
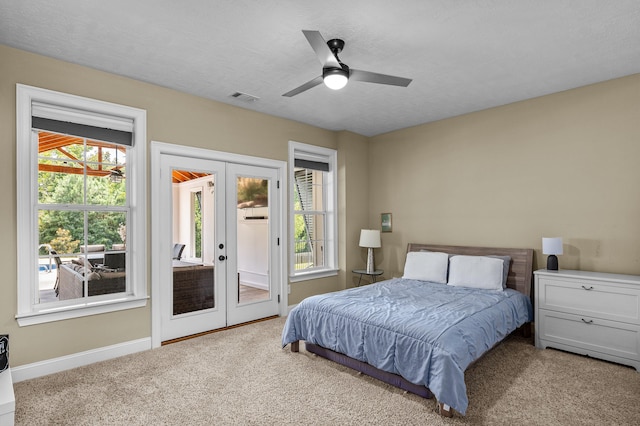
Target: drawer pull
(588,288)
(586,322)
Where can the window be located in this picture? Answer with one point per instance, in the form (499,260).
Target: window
(196,223)
(313,204)
(81,206)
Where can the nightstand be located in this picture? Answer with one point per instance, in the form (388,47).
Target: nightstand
(589,313)
(7,398)
(373,274)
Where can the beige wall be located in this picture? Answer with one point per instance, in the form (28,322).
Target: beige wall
(560,165)
(566,164)
(173,117)
(353,162)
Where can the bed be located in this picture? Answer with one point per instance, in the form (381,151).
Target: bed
(421,332)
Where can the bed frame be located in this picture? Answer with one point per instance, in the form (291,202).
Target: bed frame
(520,278)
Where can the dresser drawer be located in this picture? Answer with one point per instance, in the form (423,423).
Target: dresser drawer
(588,297)
(592,335)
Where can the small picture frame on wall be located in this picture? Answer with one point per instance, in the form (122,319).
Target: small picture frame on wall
(385,222)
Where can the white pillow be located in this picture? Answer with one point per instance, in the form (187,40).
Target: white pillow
(505,267)
(426,266)
(476,272)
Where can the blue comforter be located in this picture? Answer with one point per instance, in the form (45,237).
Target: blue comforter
(427,333)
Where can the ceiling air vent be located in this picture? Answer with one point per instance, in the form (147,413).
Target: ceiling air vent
(245,97)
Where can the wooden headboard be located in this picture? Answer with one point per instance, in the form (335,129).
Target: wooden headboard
(520,270)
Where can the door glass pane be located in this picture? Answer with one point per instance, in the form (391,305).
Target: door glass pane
(193,237)
(253,239)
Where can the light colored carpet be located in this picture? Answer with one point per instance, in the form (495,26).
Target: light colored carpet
(243,377)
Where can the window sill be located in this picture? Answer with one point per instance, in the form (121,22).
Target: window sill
(80,310)
(312,275)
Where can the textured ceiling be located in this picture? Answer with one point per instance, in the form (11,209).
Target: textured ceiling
(463,55)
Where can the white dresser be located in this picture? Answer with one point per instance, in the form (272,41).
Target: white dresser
(589,313)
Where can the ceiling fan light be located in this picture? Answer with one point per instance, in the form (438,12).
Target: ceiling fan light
(335,78)
(116,175)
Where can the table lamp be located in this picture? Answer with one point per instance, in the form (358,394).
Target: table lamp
(370,238)
(552,247)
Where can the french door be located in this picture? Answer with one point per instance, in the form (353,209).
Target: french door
(251,209)
(218,256)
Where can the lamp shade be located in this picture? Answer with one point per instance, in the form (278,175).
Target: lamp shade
(552,245)
(370,238)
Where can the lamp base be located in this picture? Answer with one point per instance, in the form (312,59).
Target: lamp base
(370,262)
(552,262)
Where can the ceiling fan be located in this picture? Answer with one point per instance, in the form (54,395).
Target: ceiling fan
(335,74)
(116,175)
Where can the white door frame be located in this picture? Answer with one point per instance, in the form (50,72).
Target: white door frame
(159,236)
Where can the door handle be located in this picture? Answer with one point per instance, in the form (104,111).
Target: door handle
(222,258)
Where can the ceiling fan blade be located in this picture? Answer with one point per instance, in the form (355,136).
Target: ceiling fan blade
(306,86)
(373,77)
(319,45)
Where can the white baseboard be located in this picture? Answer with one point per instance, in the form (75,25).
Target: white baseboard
(55,365)
(254,279)
(255,285)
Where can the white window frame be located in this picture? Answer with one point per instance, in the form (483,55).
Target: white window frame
(192,222)
(298,150)
(29,312)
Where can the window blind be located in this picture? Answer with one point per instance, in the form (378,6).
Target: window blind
(65,120)
(312,165)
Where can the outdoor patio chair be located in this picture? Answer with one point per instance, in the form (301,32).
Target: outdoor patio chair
(58,264)
(177,251)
